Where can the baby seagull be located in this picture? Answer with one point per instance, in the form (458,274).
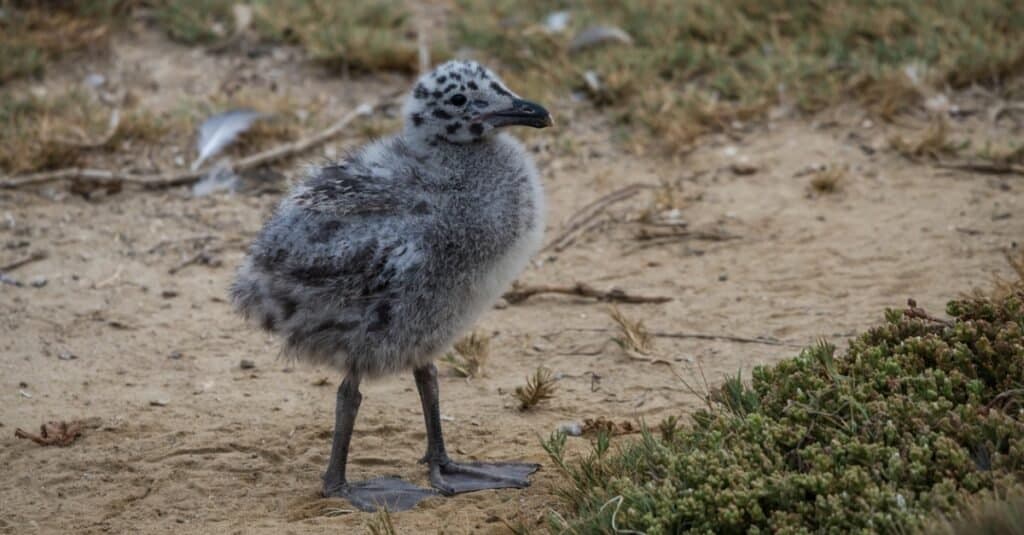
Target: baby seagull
(374,265)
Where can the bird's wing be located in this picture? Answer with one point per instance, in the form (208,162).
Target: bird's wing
(341,233)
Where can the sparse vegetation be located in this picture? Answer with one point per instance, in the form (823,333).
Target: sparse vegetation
(35,33)
(827,180)
(38,132)
(368,36)
(698,66)
(919,414)
(539,387)
(932,143)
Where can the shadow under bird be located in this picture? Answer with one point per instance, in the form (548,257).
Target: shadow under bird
(376,264)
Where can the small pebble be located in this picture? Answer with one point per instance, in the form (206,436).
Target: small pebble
(246,364)
(168,294)
(573,429)
(175,355)
(159,402)
(38,282)
(723,277)
(66,355)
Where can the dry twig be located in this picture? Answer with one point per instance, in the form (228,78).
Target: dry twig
(991,168)
(34,257)
(707,235)
(765,340)
(588,213)
(520,293)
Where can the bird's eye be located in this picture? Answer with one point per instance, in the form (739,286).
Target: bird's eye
(480,104)
(458,99)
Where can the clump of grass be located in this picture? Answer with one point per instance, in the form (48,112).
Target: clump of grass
(34,129)
(633,336)
(696,66)
(934,142)
(827,180)
(381,524)
(539,387)
(916,417)
(368,36)
(997,513)
(472,352)
(196,22)
(33,34)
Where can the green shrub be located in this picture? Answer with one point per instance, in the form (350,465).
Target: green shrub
(918,415)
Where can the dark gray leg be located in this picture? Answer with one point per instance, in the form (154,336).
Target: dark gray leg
(448,476)
(389,492)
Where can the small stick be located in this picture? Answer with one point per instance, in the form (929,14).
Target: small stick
(589,212)
(708,235)
(165,180)
(726,337)
(991,168)
(704,336)
(520,293)
(34,257)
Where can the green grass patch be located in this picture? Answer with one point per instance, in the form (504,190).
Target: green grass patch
(698,65)
(917,416)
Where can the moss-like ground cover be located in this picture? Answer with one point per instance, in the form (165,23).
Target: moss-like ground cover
(917,416)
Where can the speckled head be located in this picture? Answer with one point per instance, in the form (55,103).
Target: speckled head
(464,102)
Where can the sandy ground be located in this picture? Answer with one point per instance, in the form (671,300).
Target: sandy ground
(179,438)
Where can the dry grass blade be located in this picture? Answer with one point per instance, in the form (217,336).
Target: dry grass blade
(472,352)
(539,387)
(633,336)
(934,143)
(382,524)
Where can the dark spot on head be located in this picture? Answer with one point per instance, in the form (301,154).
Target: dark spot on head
(417,119)
(500,90)
(437,94)
(441,79)
(454,127)
(420,92)
(383,317)
(472,85)
(458,99)
(476,129)
(441,114)
(456,76)
(421,207)
(450,87)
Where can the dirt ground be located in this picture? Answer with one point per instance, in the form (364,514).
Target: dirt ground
(180,438)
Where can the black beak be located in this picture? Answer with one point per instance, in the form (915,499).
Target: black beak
(522,112)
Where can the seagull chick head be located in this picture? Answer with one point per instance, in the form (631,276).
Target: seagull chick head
(464,102)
